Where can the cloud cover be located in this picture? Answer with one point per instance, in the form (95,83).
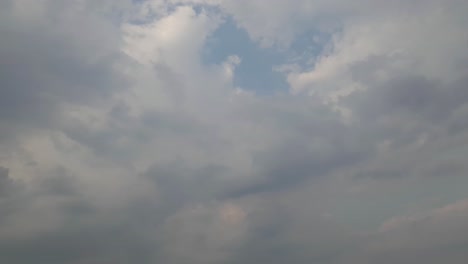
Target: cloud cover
(119,144)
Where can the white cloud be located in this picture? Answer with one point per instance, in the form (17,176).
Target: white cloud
(415,42)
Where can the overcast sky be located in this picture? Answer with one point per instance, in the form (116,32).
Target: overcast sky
(233,131)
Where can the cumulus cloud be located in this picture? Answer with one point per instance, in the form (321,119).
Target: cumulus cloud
(119,143)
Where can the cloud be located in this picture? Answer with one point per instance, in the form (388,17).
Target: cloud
(120,144)
(424,238)
(67,64)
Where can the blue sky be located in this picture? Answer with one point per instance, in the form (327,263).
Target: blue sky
(258,71)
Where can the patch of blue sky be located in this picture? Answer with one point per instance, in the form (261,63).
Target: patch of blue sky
(256,72)
(307,47)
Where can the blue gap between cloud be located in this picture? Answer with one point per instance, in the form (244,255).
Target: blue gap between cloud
(255,73)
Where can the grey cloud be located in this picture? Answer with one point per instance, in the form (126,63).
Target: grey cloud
(414,114)
(422,163)
(81,232)
(279,232)
(404,92)
(294,163)
(42,67)
(428,238)
(109,243)
(181,184)
(298,158)
(6,183)
(309,145)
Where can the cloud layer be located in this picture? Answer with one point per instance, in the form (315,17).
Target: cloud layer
(120,143)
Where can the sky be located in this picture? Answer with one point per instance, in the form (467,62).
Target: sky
(233,131)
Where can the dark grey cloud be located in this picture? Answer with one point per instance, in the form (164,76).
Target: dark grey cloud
(46,63)
(417,117)
(406,95)
(81,232)
(6,183)
(293,163)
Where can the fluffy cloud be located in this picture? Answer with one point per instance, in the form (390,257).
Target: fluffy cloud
(120,144)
